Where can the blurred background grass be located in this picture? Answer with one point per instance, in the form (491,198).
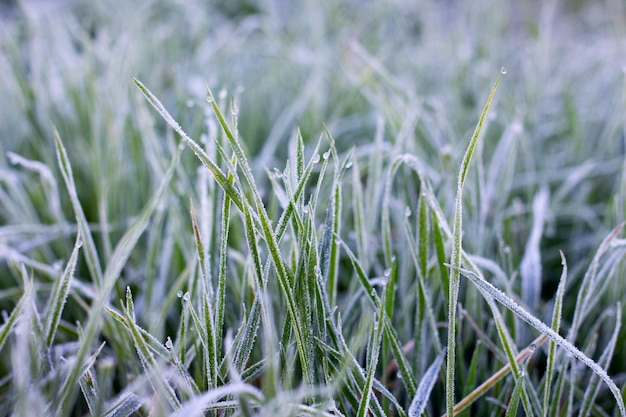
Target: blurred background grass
(421,66)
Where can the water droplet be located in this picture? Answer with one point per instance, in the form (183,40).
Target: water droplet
(316,158)
(503,70)
(57,265)
(186,297)
(326,155)
(222,94)
(532,347)
(305,209)
(179,294)
(169,344)
(338,241)
(407,212)
(348,164)
(387,273)
(399,375)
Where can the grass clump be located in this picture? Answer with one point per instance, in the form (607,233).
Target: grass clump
(320,270)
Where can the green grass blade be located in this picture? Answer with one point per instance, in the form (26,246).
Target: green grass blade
(285,216)
(374,353)
(423,235)
(455,261)
(441,254)
(423,288)
(9,324)
(90,392)
(556,324)
(91,253)
(221,276)
(155,376)
(329,248)
(358,208)
(156,346)
(59,295)
(511,410)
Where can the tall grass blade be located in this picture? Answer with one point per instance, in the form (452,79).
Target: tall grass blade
(374,352)
(59,295)
(511,410)
(221,275)
(455,261)
(334,214)
(556,324)
(156,378)
(10,322)
(91,253)
(425,387)
(424,295)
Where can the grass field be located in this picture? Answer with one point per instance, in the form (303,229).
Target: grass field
(283,208)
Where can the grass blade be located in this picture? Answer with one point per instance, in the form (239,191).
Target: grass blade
(374,352)
(556,324)
(453,291)
(59,295)
(425,387)
(511,410)
(8,325)
(156,378)
(91,254)
(221,276)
